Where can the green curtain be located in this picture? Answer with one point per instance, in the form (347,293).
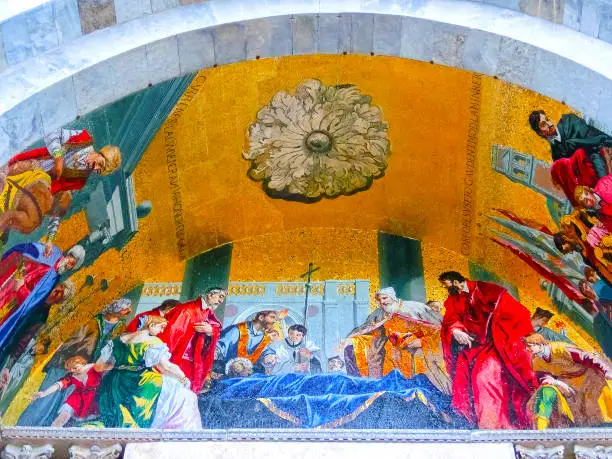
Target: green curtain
(209,269)
(400,266)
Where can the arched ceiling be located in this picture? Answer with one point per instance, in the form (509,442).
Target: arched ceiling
(431,134)
(439,185)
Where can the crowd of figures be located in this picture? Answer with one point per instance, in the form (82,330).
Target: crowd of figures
(501,367)
(582,169)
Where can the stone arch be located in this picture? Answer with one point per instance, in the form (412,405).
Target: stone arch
(47,91)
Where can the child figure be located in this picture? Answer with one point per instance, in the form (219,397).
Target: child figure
(81,405)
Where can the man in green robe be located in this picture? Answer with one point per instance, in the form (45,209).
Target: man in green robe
(570,134)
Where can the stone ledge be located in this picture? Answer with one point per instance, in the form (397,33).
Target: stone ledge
(38,26)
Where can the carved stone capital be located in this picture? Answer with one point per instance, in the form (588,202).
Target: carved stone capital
(593,452)
(95,452)
(539,452)
(27,452)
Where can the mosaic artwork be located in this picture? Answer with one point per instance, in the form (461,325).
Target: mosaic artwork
(238,248)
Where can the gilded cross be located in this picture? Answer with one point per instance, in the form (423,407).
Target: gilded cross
(308,275)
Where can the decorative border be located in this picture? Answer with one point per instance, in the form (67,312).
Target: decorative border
(394,435)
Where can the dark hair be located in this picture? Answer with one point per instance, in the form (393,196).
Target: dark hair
(534,119)
(451,276)
(542,314)
(303,330)
(169,304)
(559,239)
(212,290)
(263,313)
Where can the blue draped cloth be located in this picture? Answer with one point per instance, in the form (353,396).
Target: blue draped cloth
(33,251)
(330,400)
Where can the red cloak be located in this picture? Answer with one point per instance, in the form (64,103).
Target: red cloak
(570,172)
(60,183)
(560,281)
(182,339)
(10,296)
(494,379)
(603,189)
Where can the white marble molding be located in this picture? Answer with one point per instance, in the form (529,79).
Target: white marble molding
(27,452)
(47,91)
(540,452)
(95,452)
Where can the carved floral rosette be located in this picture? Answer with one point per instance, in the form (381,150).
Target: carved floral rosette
(321,141)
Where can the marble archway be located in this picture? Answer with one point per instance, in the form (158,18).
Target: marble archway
(48,90)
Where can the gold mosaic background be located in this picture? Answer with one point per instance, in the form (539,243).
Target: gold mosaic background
(420,196)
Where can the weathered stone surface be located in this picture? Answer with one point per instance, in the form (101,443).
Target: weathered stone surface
(29,35)
(551,10)
(448,45)
(387,35)
(161,5)
(96,14)
(417,39)
(196,51)
(572,13)
(305,34)
(321,450)
(230,44)
(67,20)
(163,60)
(362,33)
(268,37)
(516,61)
(589,18)
(126,10)
(481,52)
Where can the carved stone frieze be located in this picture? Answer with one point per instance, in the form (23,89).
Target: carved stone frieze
(27,452)
(539,452)
(95,452)
(593,452)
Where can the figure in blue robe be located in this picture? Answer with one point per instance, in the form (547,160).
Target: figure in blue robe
(246,340)
(35,252)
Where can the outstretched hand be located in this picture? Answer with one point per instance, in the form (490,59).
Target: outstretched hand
(48,249)
(203,327)
(463,338)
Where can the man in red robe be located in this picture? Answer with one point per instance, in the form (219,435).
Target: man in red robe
(484,353)
(160,311)
(192,333)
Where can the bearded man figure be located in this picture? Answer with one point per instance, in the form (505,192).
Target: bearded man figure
(37,183)
(192,333)
(27,277)
(249,340)
(484,351)
(399,334)
(68,158)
